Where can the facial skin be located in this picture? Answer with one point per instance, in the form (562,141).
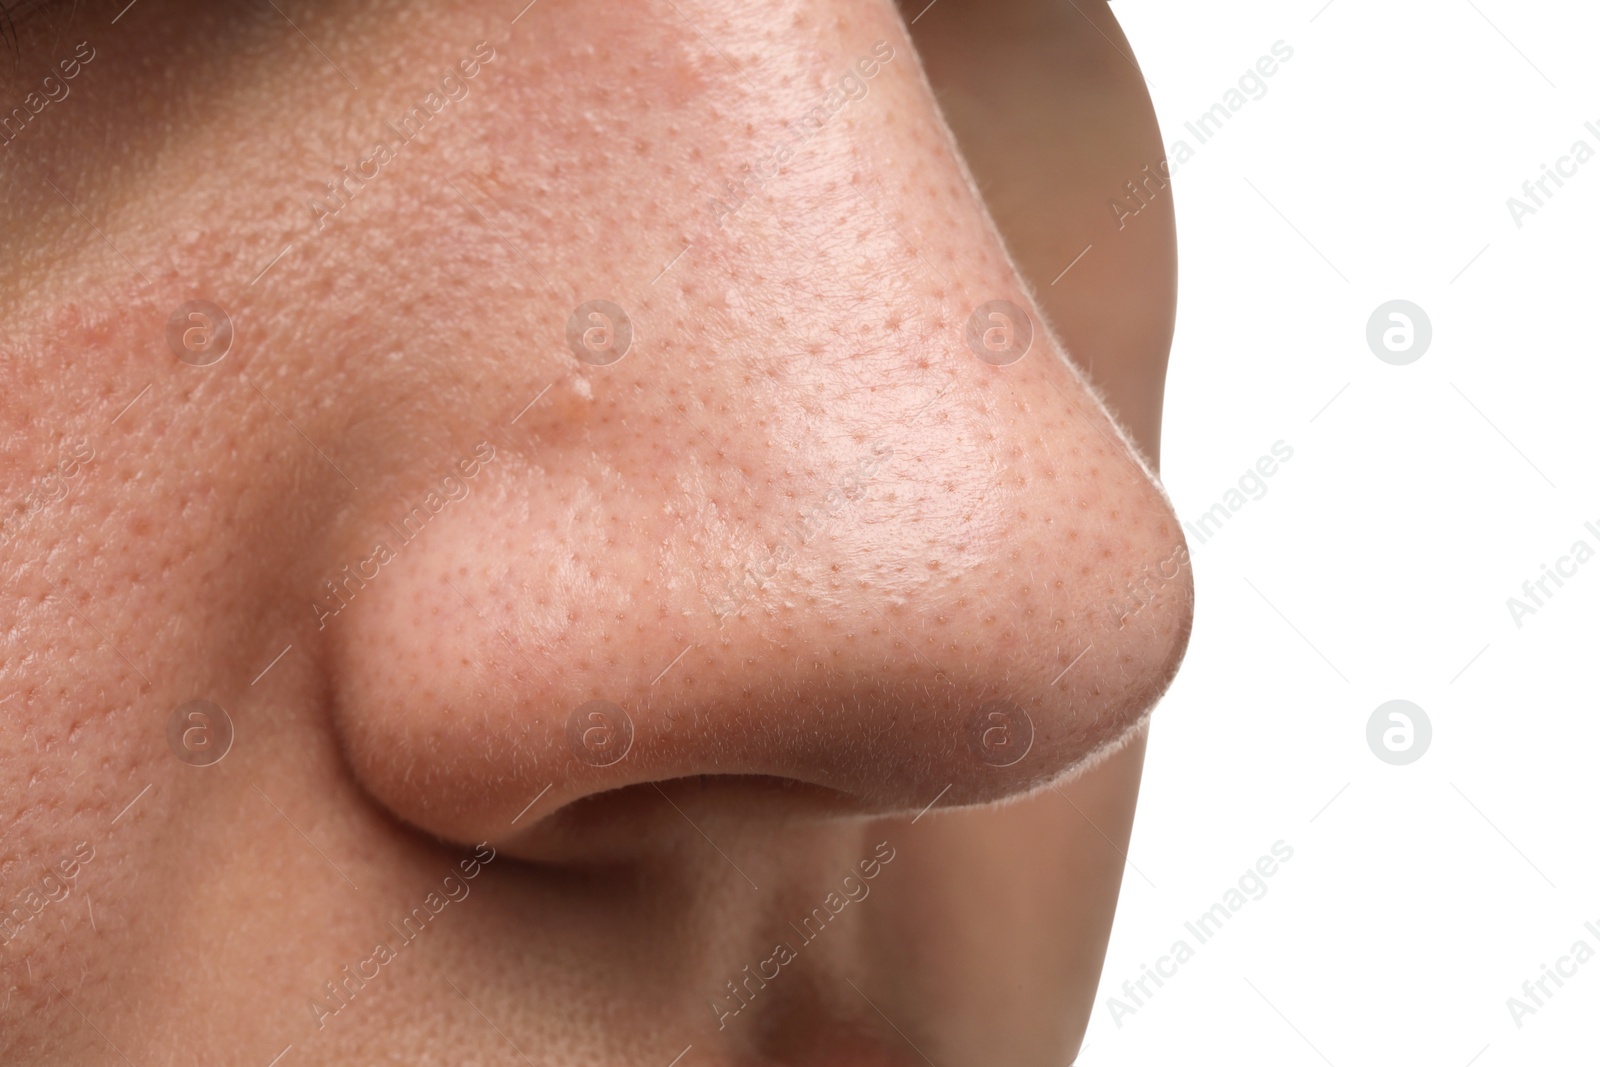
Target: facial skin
(828,561)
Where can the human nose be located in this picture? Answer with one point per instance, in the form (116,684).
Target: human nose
(880,549)
(959,610)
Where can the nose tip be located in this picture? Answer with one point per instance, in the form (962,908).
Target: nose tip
(993,603)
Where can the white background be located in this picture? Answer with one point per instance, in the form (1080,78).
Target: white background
(1417,502)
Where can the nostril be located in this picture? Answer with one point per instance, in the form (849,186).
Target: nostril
(635,820)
